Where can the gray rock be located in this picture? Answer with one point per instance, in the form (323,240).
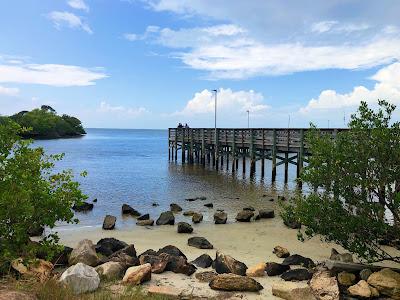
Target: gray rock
(227,264)
(84,253)
(267,213)
(233,282)
(171,250)
(200,242)
(129,210)
(296,275)
(220,217)
(244,216)
(175,207)
(274,269)
(344,257)
(203,261)
(149,222)
(197,218)
(184,227)
(365,273)
(299,260)
(80,278)
(110,270)
(84,207)
(109,222)
(166,218)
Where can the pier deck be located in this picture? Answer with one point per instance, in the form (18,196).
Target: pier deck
(210,145)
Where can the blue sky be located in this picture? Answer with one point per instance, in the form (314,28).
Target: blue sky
(153,63)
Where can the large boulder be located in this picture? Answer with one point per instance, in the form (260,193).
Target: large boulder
(274,269)
(296,275)
(171,250)
(363,290)
(137,275)
(324,286)
(200,242)
(292,291)
(227,264)
(197,218)
(109,222)
(189,213)
(244,216)
(83,207)
(344,257)
(84,253)
(203,261)
(184,227)
(126,256)
(179,264)
(281,252)
(266,213)
(129,210)
(175,207)
(80,278)
(257,270)
(166,218)
(233,282)
(299,260)
(110,270)
(108,246)
(158,262)
(220,217)
(387,282)
(144,217)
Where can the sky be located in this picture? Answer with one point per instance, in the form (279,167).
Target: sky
(154,63)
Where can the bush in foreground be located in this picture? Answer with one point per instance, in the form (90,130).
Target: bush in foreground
(355,184)
(32,194)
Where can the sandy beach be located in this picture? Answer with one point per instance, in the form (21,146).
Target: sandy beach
(250,243)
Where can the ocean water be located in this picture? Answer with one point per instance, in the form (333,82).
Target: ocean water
(131,166)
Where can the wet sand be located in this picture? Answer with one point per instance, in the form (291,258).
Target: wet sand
(250,243)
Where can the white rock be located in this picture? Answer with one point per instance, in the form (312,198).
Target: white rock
(110,270)
(80,278)
(84,253)
(292,291)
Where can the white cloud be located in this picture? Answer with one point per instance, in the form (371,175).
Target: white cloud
(70,20)
(8,91)
(131,37)
(387,87)
(121,110)
(50,74)
(323,26)
(78,4)
(336,27)
(229,101)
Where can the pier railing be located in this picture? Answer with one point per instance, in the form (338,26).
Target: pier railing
(280,145)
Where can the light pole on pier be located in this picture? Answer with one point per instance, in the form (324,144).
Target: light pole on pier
(248,118)
(215,111)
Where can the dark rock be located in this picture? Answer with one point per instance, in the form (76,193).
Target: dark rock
(205,276)
(125,256)
(227,264)
(200,242)
(292,224)
(108,246)
(197,218)
(36,231)
(296,275)
(109,222)
(203,198)
(94,200)
(232,282)
(154,204)
(171,250)
(129,210)
(149,222)
(158,263)
(299,260)
(272,200)
(191,199)
(61,258)
(220,217)
(175,207)
(148,252)
(166,218)
(266,213)
(184,227)
(244,216)
(179,264)
(209,205)
(189,213)
(144,217)
(203,261)
(250,208)
(274,269)
(85,206)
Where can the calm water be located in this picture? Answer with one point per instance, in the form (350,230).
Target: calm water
(131,166)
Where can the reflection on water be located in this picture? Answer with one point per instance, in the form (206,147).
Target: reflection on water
(131,166)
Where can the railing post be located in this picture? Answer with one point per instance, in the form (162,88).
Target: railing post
(233,151)
(252,154)
(203,148)
(300,159)
(274,155)
(183,146)
(216,148)
(191,156)
(287,157)
(263,154)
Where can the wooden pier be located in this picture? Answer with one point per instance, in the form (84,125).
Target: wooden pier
(222,145)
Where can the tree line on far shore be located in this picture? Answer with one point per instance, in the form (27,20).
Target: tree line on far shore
(44,123)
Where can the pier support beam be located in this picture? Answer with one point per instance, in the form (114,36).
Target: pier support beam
(274,155)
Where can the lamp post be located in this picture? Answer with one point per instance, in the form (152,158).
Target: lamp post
(215,159)
(248,118)
(215,109)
